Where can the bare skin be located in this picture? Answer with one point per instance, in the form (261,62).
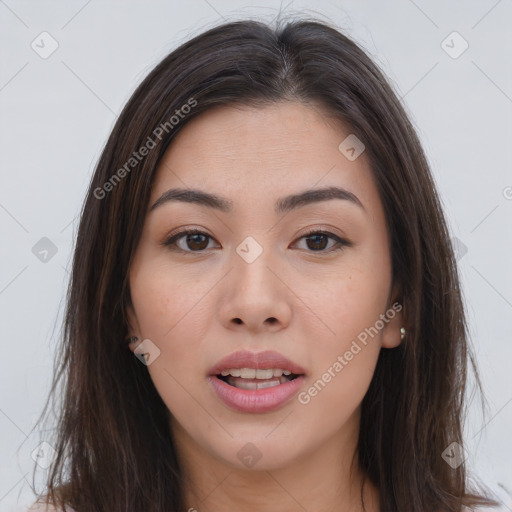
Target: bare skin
(300,297)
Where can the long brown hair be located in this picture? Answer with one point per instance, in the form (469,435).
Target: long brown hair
(114,448)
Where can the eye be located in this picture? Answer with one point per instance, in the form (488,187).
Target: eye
(194,240)
(316,241)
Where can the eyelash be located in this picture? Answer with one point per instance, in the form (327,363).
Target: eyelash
(341,243)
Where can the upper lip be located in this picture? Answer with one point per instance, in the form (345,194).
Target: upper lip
(257,360)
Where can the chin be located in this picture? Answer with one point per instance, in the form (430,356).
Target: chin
(259,453)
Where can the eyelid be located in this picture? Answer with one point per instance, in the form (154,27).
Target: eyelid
(171,239)
(341,242)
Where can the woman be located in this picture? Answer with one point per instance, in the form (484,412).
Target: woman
(264,311)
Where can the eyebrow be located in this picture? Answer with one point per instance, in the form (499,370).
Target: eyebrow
(282,205)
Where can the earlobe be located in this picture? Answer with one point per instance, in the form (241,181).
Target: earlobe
(394,332)
(133,328)
(133,341)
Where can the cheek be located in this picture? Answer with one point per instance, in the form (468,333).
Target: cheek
(174,312)
(345,359)
(168,303)
(353,301)
(343,363)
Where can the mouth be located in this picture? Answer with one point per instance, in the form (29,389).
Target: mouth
(256,382)
(253,379)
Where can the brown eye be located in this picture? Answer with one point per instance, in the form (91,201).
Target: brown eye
(191,240)
(196,241)
(317,241)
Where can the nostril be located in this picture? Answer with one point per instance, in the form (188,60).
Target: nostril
(272,320)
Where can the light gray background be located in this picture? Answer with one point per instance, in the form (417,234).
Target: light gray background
(56,114)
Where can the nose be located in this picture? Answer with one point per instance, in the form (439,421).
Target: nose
(254,296)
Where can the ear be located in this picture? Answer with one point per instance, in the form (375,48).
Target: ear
(133,327)
(392,336)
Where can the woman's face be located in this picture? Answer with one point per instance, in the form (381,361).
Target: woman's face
(253,281)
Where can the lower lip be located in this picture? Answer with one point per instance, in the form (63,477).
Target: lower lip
(259,400)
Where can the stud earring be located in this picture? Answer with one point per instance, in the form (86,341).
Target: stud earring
(402,333)
(132,339)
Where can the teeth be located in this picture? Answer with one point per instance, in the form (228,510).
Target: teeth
(253,385)
(248,373)
(252,373)
(263,374)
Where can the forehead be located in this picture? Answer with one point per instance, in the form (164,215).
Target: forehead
(249,154)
